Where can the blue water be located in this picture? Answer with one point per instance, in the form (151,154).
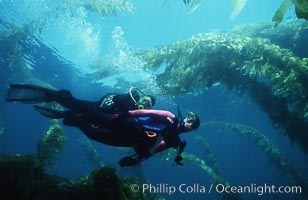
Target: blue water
(66,41)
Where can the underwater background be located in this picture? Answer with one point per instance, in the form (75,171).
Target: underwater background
(243,71)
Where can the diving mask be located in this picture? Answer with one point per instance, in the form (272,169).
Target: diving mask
(193,120)
(145,102)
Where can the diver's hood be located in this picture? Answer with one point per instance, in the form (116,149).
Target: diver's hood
(133,92)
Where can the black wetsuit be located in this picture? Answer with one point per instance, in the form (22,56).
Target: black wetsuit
(99,124)
(109,103)
(95,119)
(116,103)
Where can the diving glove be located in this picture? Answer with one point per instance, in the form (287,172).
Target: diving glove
(129,161)
(178,160)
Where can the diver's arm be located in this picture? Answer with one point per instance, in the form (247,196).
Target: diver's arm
(151,113)
(137,159)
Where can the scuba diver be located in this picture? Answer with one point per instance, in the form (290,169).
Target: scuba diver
(147,131)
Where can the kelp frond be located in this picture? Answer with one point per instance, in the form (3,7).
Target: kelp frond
(190,158)
(272,76)
(260,140)
(193,5)
(91,152)
(238,6)
(208,154)
(51,145)
(1,131)
(278,17)
(301,10)
(109,7)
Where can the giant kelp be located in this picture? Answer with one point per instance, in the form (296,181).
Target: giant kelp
(23,177)
(108,7)
(273,77)
(1,131)
(20,47)
(51,145)
(211,162)
(209,157)
(216,178)
(13,57)
(91,152)
(301,10)
(238,6)
(278,16)
(279,159)
(292,35)
(105,183)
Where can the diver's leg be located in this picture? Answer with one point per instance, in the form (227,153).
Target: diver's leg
(28,93)
(98,134)
(66,99)
(86,108)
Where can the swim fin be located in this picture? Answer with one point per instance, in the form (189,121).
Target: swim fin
(50,113)
(27,93)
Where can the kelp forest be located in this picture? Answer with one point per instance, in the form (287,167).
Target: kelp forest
(266,62)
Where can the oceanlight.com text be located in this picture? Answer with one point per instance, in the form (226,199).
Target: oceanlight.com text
(258,189)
